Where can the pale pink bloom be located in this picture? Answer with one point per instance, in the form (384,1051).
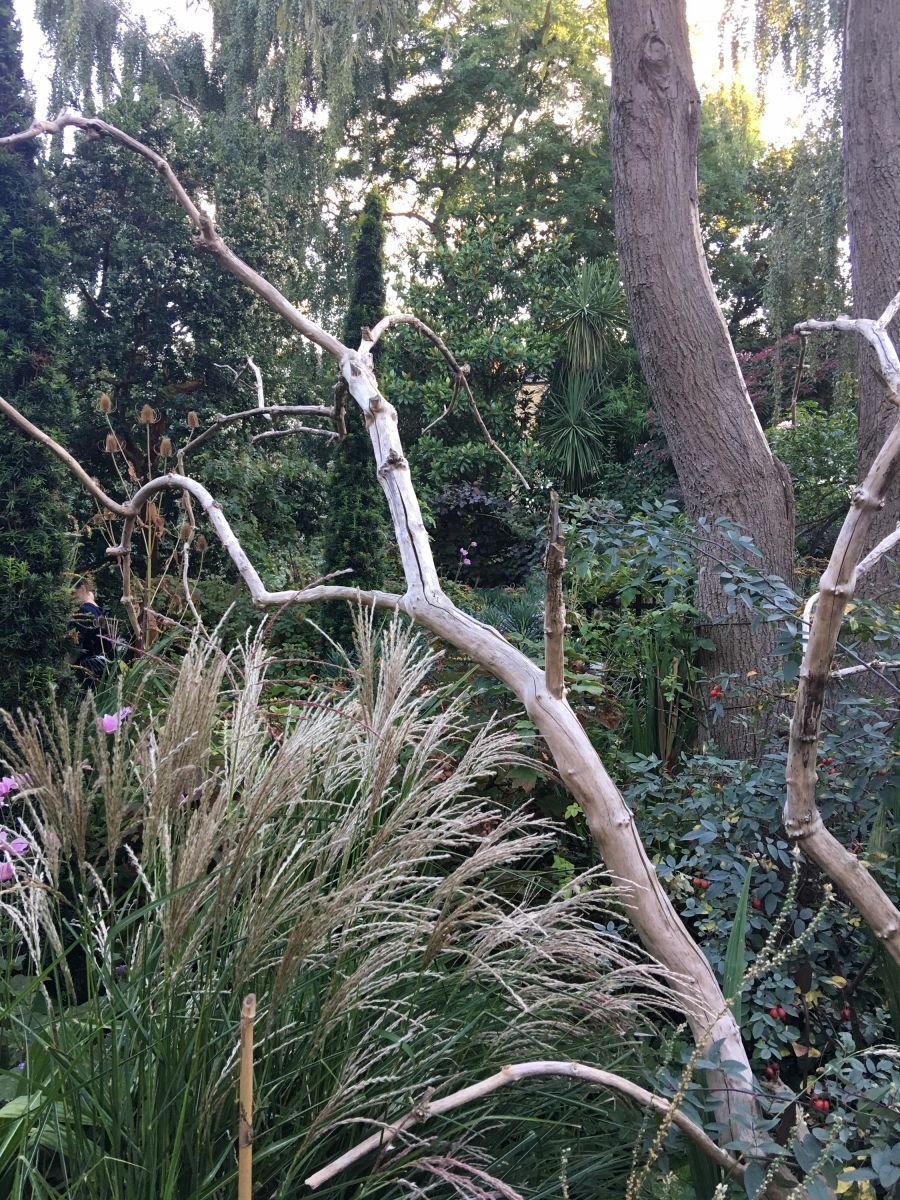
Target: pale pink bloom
(473,543)
(7,872)
(467,562)
(110,722)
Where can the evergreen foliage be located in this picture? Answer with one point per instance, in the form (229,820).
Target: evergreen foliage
(356,531)
(34,604)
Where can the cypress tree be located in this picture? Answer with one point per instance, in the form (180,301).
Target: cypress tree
(34,600)
(356,534)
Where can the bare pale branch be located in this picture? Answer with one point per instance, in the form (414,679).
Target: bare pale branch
(206,235)
(823,616)
(516,1073)
(292,432)
(249,414)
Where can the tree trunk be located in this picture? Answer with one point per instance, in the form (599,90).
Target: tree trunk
(724,463)
(872,163)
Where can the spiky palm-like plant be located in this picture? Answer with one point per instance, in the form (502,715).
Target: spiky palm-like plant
(575,430)
(336,858)
(589,314)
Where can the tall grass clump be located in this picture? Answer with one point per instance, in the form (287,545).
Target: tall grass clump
(341,864)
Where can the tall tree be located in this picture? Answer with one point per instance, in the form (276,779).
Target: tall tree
(34,602)
(871,100)
(356,533)
(724,463)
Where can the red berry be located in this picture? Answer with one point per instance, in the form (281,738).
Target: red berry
(704,883)
(821,1105)
(774,1012)
(828,761)
(781,1013)
(697,881)
(772,1070)
(846,1013)
(716,692)
(757,903)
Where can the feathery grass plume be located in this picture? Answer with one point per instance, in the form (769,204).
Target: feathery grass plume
(393,923)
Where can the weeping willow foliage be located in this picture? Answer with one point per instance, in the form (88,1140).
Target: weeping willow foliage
(93,41)
(804,35)
(289,54)
(806,250)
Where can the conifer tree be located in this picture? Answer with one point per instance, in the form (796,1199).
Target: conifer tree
(34,602)
(356,534)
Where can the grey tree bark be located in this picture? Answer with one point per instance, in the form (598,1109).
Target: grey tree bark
(724,463)
(871,87)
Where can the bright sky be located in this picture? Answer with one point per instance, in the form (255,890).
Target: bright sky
(783,116)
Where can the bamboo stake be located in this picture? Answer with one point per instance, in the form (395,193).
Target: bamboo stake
(245,1120)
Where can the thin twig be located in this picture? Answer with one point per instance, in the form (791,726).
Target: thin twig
(248,414)
(292,432)
(804,338)
(460,374)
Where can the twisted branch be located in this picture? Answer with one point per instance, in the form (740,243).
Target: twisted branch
(515,1073)
(802,819)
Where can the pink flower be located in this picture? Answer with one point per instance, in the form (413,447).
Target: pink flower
(462,550)
(473,543)
(467,562)
(110,722)
(8,784)
(17,846)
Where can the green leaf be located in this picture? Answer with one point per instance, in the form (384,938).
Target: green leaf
(736,951)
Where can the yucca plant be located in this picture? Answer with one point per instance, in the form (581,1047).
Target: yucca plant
(589,313)
(575,429)
(339,863)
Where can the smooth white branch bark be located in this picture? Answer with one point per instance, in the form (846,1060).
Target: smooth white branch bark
(802,819)
(515,1073)
(874,556)
(260,389)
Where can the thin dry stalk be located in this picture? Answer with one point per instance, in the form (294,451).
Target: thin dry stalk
(245,1120)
